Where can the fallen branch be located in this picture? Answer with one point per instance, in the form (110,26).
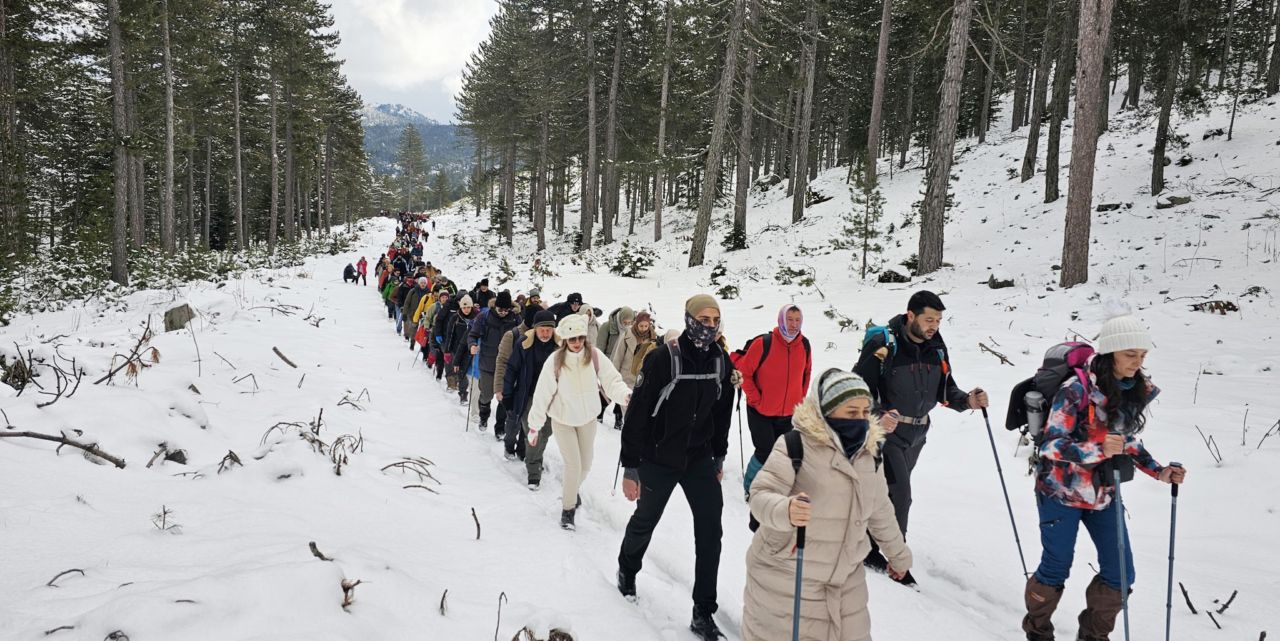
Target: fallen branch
(63,573)
(420,487)
(349,592)
(444,606)
(283,357)
(477,520)
(1275,427)
(1211,445)
(1228,603)
(224,359)
(315,551)
(1214,619)
(90,448)
(1187,596)
(118,635)
(304,377)
(502,598)
(287,310)
(1004,360)
(72,627)
(229,461)
(133,361)
(417,465)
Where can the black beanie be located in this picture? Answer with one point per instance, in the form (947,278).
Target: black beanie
(504,301)
(544,318)
(575,298)
(484,282)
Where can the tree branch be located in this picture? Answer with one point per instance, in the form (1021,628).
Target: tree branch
(66,440)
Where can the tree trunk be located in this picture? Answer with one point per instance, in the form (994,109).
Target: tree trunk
(1225,56)
(1094,32)
(591,187)
(540,180)
(1020,84)
(208,192)
(1038,94)
(909,114)
(1134,70)
(120,214)
(136,170)
(1167,86)
(1061,99)
(988,79)
(328,181)
(661,173)
(877,93)
(1105,84)
(189,229)
(800,195)
(611,136)
(793,134)
(719,121)
(1273,67)
(167,243)
(743,187)
(237,202)
(290,210)
(509,190)
(933,213)
(273,222)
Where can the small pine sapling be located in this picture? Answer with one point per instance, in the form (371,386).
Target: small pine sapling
(861,228)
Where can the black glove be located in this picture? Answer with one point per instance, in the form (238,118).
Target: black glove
(508,402)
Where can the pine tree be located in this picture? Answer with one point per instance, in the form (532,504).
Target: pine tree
(411,158)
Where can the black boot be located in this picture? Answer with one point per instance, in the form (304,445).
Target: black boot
(876,561)
(704,626)
(566,519)
(627,584)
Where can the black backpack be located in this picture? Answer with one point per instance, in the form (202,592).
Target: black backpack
(738,354)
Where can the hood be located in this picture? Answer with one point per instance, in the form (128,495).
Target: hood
(530,337)
(622,312)
(809,420)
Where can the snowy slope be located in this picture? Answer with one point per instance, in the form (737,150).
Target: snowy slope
(240,567)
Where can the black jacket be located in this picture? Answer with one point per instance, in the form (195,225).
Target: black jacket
(692,423)
(561,310)
(528,355)
(453,335)
(917,379)
(487,330)
(481,299)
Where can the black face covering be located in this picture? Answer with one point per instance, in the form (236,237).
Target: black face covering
(700,335)
(852,432)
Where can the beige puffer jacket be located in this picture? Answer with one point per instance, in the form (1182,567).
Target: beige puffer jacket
(624,355)
(572,396)
(848,499)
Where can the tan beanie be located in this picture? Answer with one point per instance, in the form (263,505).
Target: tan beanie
(699,303)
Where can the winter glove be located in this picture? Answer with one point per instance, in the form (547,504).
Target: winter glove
(533,437)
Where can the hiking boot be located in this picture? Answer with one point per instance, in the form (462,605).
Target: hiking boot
(1041,600)
(703,626)
(626,584)
(566,519)
(876,561)
(1102,604)
(484,424)
(510,456)
(534,484)
(579,503)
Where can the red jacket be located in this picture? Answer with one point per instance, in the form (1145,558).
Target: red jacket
(776,386)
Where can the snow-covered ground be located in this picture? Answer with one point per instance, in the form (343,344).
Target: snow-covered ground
(239,566)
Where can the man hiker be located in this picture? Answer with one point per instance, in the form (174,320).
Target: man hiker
(676,432)
(485,338)
(906,365)
(518,384)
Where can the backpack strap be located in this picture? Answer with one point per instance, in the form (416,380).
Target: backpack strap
(808,361)
(795,449)
(673,347)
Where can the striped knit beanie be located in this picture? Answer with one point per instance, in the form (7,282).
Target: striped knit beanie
(836,386)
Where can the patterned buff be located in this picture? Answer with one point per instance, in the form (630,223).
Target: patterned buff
(700,335)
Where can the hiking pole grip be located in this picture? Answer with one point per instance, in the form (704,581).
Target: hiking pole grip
(800,538)
(1174,486)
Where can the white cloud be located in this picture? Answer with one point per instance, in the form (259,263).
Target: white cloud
(410,51)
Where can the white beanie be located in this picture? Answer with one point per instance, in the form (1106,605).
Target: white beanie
(1123,331)
(572,326)
(465,301)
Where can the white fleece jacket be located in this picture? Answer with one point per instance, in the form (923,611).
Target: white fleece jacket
(574,399)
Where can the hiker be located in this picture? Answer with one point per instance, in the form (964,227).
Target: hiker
(568,391)
(676,432)
(826,478)
(1088,436)
(534,298)
(609,333)
(409,309)
(382,265)
(362,268)
(512,434)
(349,274)
(450,334)
(485,337)
(906,365)
(397,298)
(432,313)
(571,305)
(392,283)
(519,382)
(481,294)
(775,374)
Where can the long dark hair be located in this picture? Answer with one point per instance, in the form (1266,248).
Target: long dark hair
(1129,405)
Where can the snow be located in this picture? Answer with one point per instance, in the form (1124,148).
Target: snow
(239,566)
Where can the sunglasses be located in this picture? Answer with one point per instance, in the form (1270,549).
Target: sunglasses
(576,339)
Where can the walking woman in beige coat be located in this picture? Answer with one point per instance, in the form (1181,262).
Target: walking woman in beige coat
(568,391)
(838,495)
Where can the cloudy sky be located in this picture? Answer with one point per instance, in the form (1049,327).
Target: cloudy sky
(410,51)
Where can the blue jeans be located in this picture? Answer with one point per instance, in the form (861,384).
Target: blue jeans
(1059,525)
(399,321)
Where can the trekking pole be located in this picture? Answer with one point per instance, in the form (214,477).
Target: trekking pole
(1124,566)
(741,460)
(795,612)
(616,472)
(1173,528)
(1005,490)
(468,403)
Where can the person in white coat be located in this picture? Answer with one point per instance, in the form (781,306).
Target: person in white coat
(568,391)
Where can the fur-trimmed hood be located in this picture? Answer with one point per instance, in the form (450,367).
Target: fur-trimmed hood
(808,419)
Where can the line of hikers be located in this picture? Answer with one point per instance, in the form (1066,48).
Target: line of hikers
(832,458)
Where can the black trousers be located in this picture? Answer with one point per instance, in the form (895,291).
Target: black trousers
(901,452)
(765,431)
(702,490)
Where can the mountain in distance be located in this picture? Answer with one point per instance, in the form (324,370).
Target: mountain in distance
(448,147)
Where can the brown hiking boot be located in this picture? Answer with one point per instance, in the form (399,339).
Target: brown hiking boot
(1102,604)
(1041,600)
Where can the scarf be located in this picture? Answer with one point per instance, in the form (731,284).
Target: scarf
(700,335)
